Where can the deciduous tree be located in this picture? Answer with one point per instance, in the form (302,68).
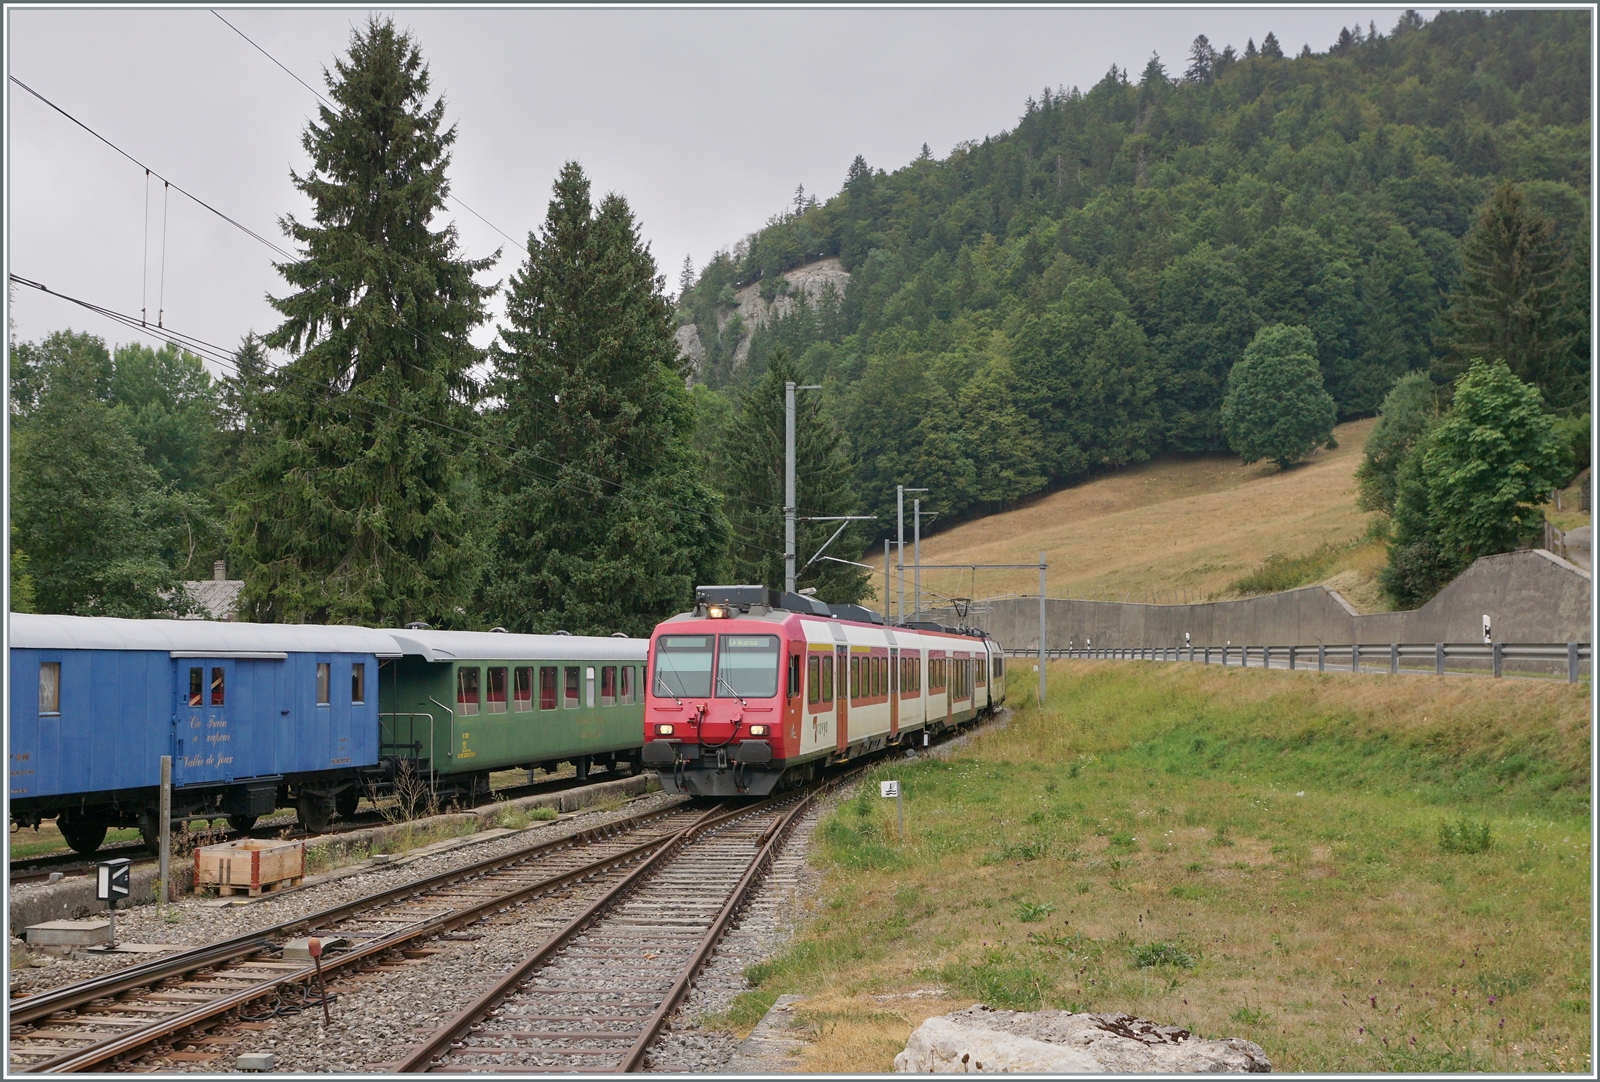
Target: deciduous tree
(1473,484)
(1275,407)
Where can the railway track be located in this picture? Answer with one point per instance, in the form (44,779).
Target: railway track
(596,994)
(94,1023)
(76,864)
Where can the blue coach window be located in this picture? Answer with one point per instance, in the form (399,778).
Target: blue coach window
(217,698)
(197,686)
(322,683)
(49,687)
(358,679)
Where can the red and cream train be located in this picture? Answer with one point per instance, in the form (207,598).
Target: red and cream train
(757,689)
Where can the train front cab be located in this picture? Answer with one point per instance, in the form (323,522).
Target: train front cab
(721,708)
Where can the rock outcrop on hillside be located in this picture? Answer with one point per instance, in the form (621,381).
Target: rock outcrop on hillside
(983,1040)
(814,282)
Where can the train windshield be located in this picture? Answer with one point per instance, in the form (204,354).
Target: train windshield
(747,666)
(683,666)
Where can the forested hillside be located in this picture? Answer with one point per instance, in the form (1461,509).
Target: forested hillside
(1234,249)
(1071,295)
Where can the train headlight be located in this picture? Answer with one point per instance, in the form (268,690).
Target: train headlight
(663,730)
(717,612)
(758,730)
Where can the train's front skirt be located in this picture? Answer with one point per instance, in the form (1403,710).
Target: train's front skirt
(744,768)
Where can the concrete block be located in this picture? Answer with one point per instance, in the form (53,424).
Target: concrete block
(254,1061)
(66,934)
(73,899)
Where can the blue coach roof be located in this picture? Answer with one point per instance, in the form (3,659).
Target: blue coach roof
(40,632)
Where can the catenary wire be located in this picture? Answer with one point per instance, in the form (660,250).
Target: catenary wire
(290,256)
(161,297)
(144,280)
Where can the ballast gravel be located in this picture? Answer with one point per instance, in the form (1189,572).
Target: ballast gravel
(376,1020)
(191,922)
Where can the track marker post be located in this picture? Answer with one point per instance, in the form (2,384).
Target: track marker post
(887,789)
(113,883)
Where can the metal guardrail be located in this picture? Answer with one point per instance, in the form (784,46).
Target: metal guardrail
(1472,659)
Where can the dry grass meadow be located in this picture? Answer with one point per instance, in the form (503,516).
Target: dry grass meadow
(1294,858)
(1167,531)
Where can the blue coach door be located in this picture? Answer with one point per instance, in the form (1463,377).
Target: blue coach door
(205,749)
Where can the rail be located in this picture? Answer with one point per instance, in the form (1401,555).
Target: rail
(245,951)
(1471,659)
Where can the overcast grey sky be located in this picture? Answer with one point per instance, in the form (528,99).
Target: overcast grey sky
(705,120)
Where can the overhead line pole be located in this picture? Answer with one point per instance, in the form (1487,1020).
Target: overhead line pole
(900,553)
(916,557)
(789,389)
(1041,628)
(900,566)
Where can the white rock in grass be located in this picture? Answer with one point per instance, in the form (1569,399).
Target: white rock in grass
(980,1039)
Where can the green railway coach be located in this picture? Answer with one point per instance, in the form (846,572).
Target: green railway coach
(457,705)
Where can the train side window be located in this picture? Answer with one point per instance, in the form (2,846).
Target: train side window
(358,682)
(792,687)
(197,686)
(827,679)
(496,697)
(216,687)
(813,679)
(880,667)
(547,687)
(322,685)
(49,687)
(855,679)
(625,692)
(573,685)
(467,691)
(522,689)
(608,685)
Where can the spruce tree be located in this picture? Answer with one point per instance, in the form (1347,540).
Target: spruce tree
(605,522)
(750,471)
(1510,303)
(358,507)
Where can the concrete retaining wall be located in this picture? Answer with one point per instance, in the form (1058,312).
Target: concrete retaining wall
(74,898)
(1531,596)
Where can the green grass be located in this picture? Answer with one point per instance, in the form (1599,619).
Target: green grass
(47,841)
(1246,854)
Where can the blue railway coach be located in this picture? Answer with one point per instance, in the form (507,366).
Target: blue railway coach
(255,716)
